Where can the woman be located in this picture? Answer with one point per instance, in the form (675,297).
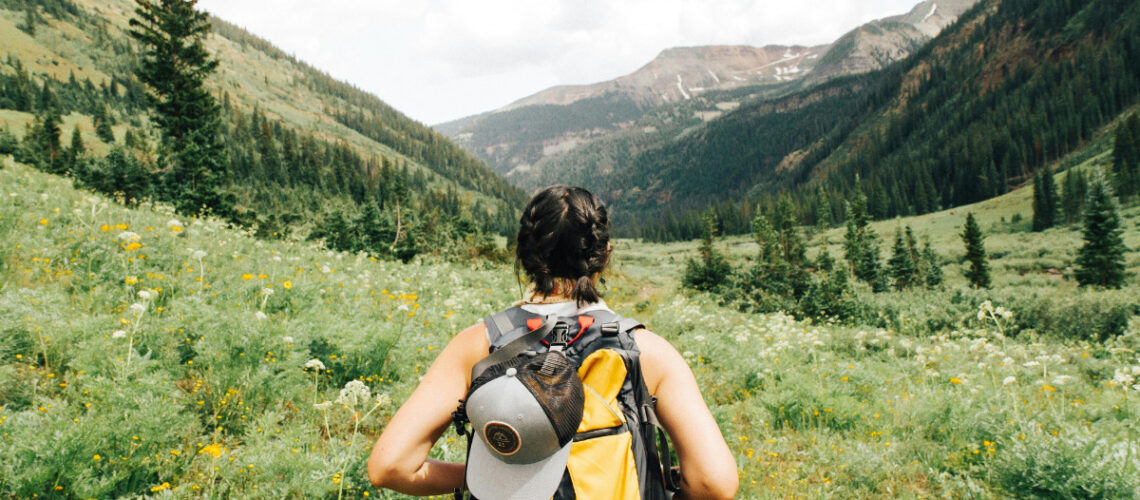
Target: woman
(563,246)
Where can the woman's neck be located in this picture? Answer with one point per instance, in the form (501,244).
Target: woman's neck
(560,293)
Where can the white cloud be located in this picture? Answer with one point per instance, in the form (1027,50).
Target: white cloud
(438,60)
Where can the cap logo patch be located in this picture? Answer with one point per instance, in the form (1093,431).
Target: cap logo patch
(502,438)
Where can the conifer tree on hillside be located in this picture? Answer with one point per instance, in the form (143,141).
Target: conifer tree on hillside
(765,237)
(978,272)
(902,265)
(931,266)
(861,245)
(175,65)
(29,24)
(1073,194)
(791,244)
(43,146)
(1126,158)
(1045,202)
(1100,261)
(710,271)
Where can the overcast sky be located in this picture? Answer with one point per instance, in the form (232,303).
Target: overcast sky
(438,60)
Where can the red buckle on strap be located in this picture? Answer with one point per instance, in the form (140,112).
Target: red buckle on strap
(534,323)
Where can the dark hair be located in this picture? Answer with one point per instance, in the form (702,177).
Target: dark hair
(564,233)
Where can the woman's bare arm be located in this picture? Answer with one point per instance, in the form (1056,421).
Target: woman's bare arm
(707,466)
(399,460)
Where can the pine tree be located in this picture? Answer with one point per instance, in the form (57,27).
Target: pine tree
(766,238)
(103,125)
(902,266)
(43,143)
(75,152)
(1045,203)
(1100,261)
(978,273)
(175,65)
(791,244)
(931,266)
(1124,154)
(1073,194)
(711,270)
(861,245)
(29,24)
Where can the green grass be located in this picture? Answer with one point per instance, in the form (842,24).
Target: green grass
(199,397)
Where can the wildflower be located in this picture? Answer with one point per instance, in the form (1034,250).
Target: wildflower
(163,486)
(130,280)
(1031,364)
(354,392)
(1123,377)
(145,294)
(314,364)
(137,309)
(955,380)
(215,450)
(267,291)
(1061,379)
(118,334)
(287,339)
(246,276)
(382,399)
(288,285)
(129,236)
(260,315)
(323,406)
(1009,380)
(174,225)
(96,457)
(134,245)
(199,254)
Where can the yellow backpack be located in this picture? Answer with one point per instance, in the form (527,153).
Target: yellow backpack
(619,450)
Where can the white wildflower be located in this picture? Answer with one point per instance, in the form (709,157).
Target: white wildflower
(1007,361)
(118,334)
(145,294)
(260,315)
(137,309)
(1123,377)
(1061,379)
(1030,364)
(699,338)
(382,399)
(354,392)
(267,291)
(129,236)
(323,406)
(287,339)
(314,364)
(174,225)
(1009,380)
(199,254)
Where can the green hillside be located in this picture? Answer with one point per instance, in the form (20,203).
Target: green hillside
(1011,87)
(141,354)
(301,146)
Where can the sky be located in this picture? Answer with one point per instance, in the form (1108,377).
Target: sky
(439,60)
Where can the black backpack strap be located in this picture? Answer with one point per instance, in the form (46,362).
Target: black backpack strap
(514,347)
(652,433)
(504,322)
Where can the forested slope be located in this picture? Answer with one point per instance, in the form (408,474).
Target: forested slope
(301,146)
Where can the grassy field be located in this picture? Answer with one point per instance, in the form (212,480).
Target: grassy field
(144,354)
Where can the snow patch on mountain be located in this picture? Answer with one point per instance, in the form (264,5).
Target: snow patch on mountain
(933,9)
(714,76)
(682,88)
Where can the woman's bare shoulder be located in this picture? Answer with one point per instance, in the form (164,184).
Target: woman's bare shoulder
(659,359)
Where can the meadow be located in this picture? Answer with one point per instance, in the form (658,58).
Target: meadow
(147,354)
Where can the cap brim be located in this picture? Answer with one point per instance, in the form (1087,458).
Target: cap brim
(491,479)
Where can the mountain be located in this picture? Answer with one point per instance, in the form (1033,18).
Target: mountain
(538,138)
(304,150)
(1010,88)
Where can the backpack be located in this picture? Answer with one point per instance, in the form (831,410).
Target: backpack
(620,448)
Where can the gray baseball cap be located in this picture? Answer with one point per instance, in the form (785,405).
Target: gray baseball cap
(524,414)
